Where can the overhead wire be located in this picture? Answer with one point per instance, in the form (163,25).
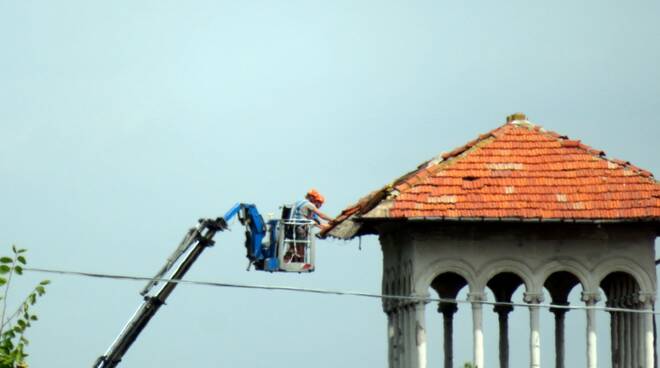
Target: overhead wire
(410,298)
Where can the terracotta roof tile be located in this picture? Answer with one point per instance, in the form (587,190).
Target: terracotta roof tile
(518,170)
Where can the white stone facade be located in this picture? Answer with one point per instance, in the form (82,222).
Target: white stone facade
(611,262)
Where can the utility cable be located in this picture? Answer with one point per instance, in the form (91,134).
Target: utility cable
(334,292)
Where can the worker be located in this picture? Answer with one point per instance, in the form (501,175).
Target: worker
(308,208)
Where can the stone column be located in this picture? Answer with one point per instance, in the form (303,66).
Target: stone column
(477,327)
(621,327)
(614,329)
(393,338)
(396,339)
(590,299)
(635,343)
(533,299)
(621,338)
(399,352)
(503,318)
(448,310)
(648,342)
(560,314)
(614,336)
(628,323)
(640,336)
(405,337)
(420,334)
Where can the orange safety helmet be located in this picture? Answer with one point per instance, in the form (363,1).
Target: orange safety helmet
(316,196)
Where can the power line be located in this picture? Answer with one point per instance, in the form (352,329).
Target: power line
(332,292)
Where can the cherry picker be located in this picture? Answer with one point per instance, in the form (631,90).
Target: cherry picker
(276,245)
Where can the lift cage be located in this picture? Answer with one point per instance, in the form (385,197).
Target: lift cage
(293,239)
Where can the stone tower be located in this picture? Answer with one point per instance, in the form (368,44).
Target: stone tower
(517,207)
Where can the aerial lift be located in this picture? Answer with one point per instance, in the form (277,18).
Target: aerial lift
(277,245)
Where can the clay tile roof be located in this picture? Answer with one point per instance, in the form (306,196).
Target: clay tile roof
(518,171)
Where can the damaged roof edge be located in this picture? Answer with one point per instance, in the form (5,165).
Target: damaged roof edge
(369,202)
(508,219)
(358,226)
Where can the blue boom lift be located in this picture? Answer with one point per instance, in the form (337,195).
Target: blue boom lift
(278,245)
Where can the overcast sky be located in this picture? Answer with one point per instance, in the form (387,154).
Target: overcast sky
(123,122)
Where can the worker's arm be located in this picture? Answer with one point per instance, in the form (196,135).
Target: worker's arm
(321,214)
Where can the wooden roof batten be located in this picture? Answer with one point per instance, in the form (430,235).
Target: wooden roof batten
(518,172)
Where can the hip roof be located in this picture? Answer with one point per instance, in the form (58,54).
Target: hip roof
(518,171)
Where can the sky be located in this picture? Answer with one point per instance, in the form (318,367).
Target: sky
(123,122)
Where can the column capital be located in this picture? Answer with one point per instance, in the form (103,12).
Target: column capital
(590,298)
(533,298)
(447,309)
(503,309)
(645,298)
(418,301)
(557,309)
(476,297)
(414,301)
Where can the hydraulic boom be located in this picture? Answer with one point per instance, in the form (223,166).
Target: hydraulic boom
(284,245)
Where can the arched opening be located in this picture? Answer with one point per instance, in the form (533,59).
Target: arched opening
(559,285)
(447,286)
(503,286)
(627,329)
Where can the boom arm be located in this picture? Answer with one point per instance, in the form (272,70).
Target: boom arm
(199,237)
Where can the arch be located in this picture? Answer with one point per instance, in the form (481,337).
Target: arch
(427,275)
(559,285)
(571,266)
(448,284)
(503,285)
(617,277)
(625,265)
(503,266)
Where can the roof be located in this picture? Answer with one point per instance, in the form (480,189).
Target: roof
(518,172)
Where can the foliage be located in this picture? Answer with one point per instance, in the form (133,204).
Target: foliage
(12,330)
(469,365)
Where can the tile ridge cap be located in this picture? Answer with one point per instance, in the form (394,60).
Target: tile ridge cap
(567,142)
(446,156)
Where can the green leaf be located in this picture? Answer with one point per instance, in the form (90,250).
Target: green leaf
(4,269)
(32,298)
(21,251)
(45,282)
(22,259)
(9,344)
(18,269)
(41,290)
(6,260)
(2,281)
(34,317)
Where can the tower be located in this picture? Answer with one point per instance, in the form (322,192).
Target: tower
(519,206)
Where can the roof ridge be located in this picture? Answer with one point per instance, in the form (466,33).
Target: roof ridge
(600,154)
(442,157)
(433,165)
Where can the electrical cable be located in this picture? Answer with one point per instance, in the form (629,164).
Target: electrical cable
(333,292)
